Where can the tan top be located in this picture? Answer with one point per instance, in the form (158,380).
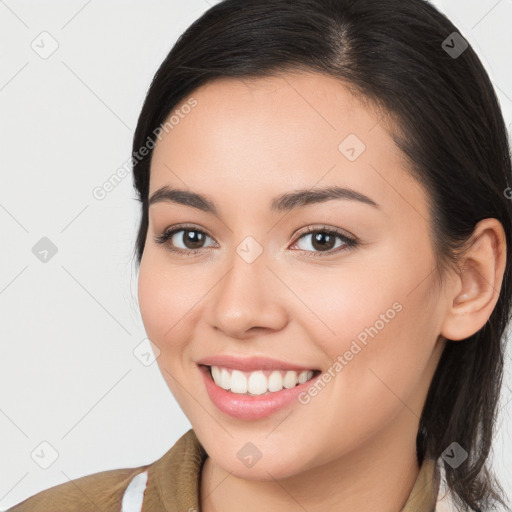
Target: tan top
(171,484)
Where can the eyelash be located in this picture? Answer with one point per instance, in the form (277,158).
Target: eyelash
(349,243)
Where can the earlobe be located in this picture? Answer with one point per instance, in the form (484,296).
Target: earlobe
(477,287)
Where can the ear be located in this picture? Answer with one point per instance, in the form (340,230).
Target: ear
(475,291)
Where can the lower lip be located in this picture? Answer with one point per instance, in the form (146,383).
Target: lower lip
(248,407)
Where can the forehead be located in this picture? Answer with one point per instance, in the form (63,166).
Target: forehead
(274,133)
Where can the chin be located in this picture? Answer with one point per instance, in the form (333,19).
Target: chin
(272,466)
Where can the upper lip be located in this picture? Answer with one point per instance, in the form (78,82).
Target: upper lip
(250,364)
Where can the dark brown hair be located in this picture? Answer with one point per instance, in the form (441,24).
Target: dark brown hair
(445,117)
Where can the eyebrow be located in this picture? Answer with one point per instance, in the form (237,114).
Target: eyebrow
(284,202)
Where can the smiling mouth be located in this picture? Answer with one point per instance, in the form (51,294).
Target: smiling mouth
(258,382)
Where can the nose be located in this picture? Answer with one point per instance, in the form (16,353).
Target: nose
(247,300)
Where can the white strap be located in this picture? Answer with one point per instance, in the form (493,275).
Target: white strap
(134,493)
(444,501)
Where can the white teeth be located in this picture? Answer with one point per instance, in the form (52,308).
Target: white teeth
(275,381)
(303,377)
(215,373)
(221,377)
(290,379)
(225,379)
(258,382)
(238,382)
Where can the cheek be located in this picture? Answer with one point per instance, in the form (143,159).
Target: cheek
(383,300)
(165,302)
(351,302)
(166,293)
(154,301)
(381,330)
(391,368)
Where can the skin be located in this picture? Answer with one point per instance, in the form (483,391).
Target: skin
(353,446)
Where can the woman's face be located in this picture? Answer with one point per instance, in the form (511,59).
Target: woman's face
(366,317)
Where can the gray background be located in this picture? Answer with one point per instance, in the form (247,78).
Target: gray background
(68,372)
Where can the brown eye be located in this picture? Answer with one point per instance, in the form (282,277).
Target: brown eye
(191,238)
(323,241)
(183,240)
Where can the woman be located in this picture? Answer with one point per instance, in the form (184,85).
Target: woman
(324,264)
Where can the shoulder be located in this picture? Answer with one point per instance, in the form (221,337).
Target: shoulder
(168,483)
(100,492)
